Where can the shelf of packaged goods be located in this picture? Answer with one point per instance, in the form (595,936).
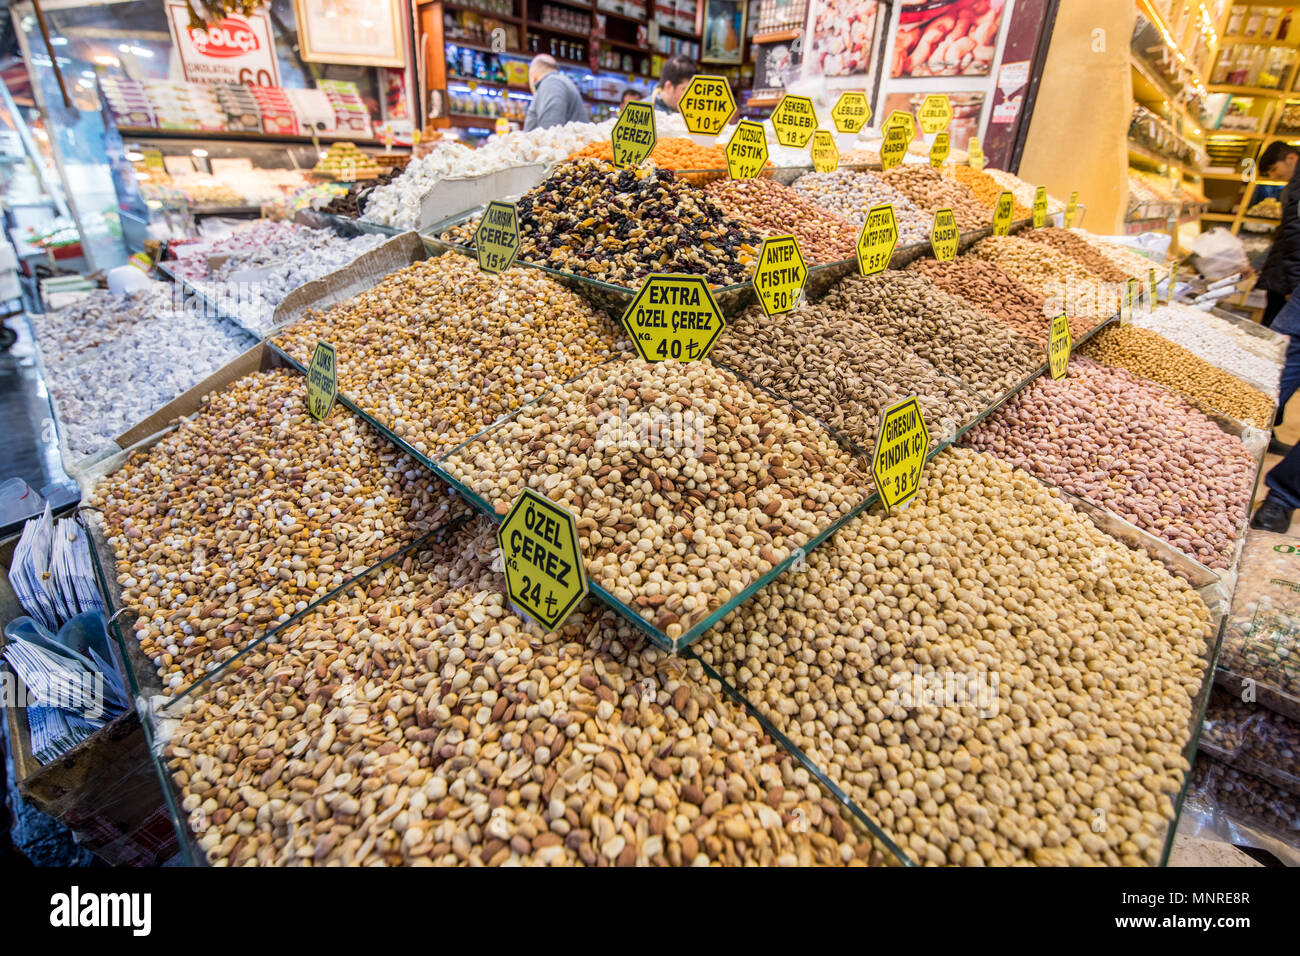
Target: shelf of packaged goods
(535,25)
(777,36)
(688,34)
(471,121)
(503,17)
(1152,91)
(483,48)
(145,132)
(1151,156)
(621,44)
(620,16)
(491,84)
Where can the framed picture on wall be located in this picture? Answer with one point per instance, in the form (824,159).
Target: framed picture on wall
(354,32)
(724,31)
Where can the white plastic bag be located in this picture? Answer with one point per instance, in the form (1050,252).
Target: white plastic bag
(1218,253)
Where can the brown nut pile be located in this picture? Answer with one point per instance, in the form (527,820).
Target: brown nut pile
(687,484)
(771,209)
(1129,446)
(1253,738)
(1126,260)
(1065,282)
(829,363)
(987,191)
(852,194)
(911,313)
(417,721)
(984,673)
(1153,356)
(1246,798)
(931,191)
(1091,259)
(990,290)
(621,225)
(247,513)
(440,350)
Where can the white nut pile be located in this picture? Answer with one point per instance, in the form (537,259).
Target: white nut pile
(991,678)
(112,361)
(852,194)
(687,484)
(250,285)
(416,721)
(248,512)
(1208,340)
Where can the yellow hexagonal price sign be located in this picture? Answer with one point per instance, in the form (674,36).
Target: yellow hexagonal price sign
(1072,208)
(1058,346)
(976,153)
(1002,213)
(746,150)
(1040,207)
(899,456)
(899,132)
(825,154)
(944,236)
(877,239)
(935,113)
(543,561)
(795,120)
(496,238)
(322,381)
(939,150)
(707,104)
(851,111)
(633,136)
(780,275)
(674,317)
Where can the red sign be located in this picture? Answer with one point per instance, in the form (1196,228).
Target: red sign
(239,49)
(228,38)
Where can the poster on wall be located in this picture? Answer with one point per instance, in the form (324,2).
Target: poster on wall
(946,37)
(239,49)
(966,109)
(841,37)
(355,32)
(724,31)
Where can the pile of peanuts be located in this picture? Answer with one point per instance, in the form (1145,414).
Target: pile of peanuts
(829,363)
(986,190)
(931,191)
(687,484)
(1067,285)
(1067,242)
(771,209)
(852,194)
(1134,448)
(1209,339)
(990,290)
(440,350)
(984,673)
(593,220)
(417,721)
(1154,357)
(910,313)
(245,514)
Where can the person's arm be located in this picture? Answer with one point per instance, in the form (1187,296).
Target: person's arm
(1288,233)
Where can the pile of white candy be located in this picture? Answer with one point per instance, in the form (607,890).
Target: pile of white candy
(1214,340)
(111,361)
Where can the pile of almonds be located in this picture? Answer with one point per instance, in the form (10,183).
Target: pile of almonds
(990,290)
(1083,253)
(771,209)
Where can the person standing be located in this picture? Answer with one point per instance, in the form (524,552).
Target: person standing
(1283,482)
(673,80)
(1280,273)
(556,99)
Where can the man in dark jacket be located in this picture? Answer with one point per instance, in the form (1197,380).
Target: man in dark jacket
(556,99)
(1281,272)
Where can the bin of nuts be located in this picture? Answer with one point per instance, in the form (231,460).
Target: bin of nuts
(990,290)
(771,209)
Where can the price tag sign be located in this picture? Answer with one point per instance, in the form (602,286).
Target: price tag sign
(1002,213)
(1072,209)
(633,136)
(877,239)
(935,113)
(1128,302)
(944,236)
(707,104)
(825,155)
(899,132)
(851,111)
(899,456)
(746,150)
(543,562)
(322,381)
(1040,207)
(976,153)
(939,150)
(780,275)
(1173,282)
(794,120)
(674,317)
(496,239)
(1151,290)
(1058,346)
